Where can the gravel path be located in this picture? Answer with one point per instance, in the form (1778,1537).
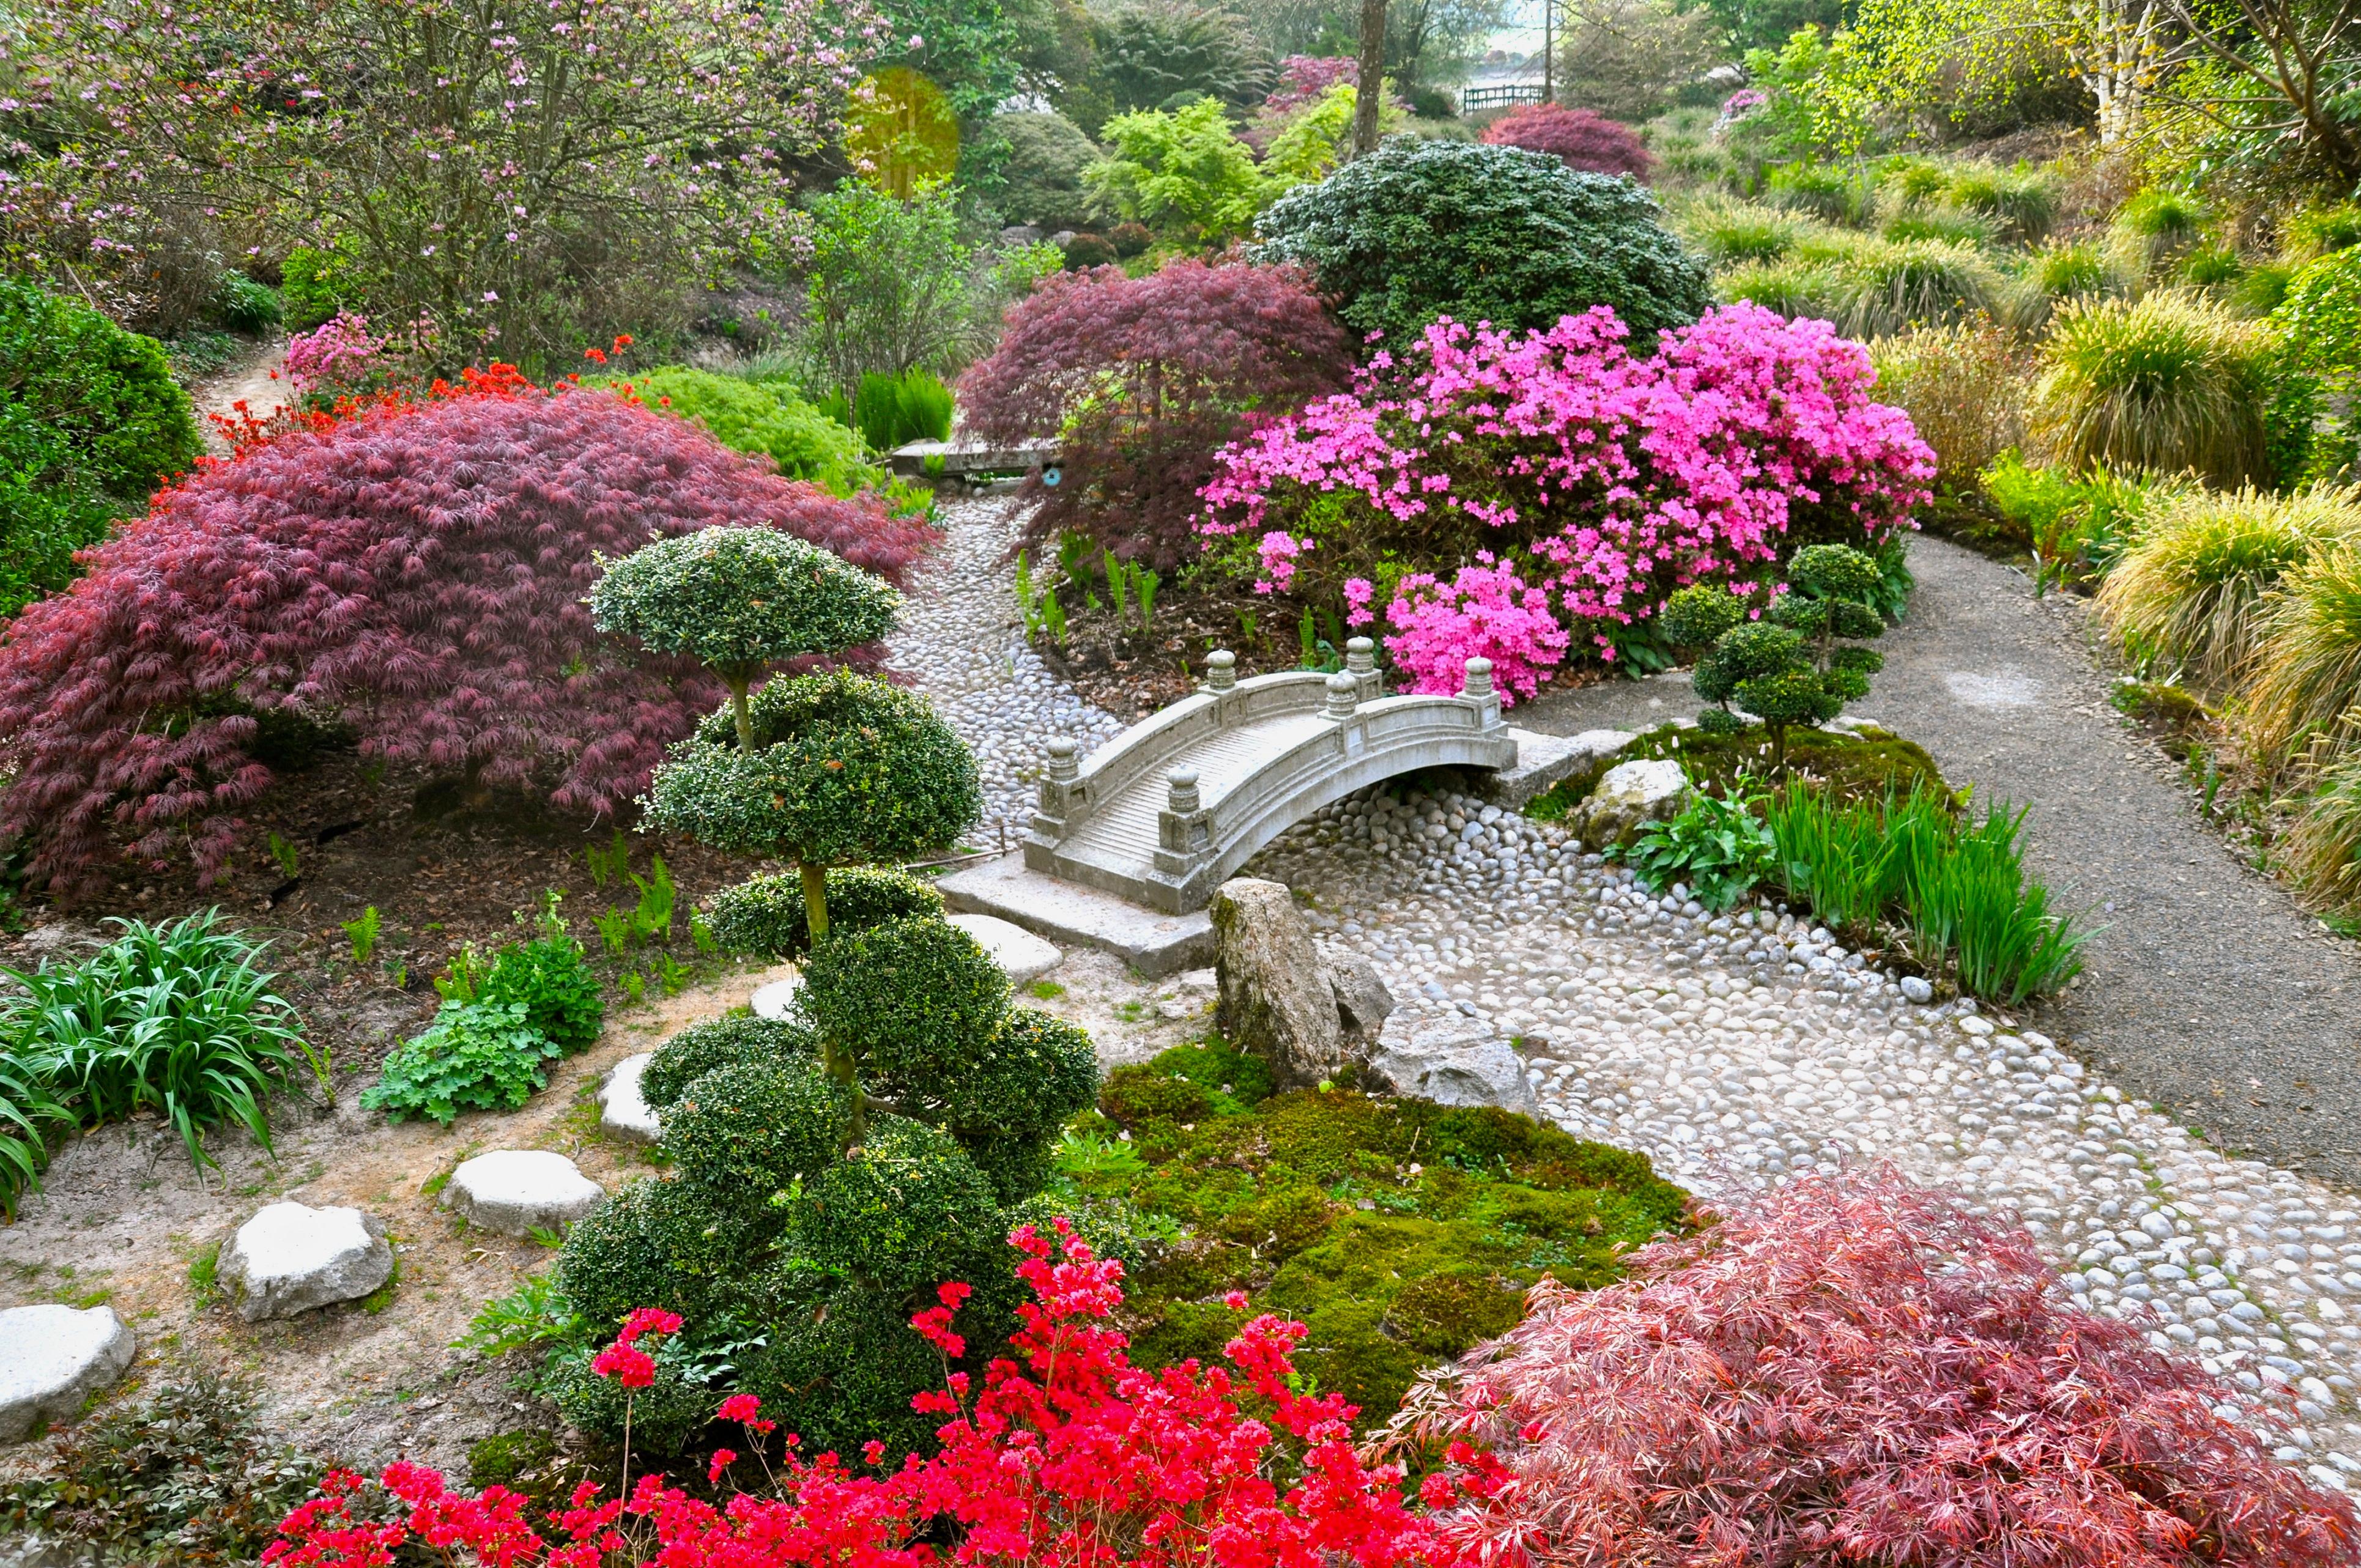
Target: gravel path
(2208,991)
(1742,1046)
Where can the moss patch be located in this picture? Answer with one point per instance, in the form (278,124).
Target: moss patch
(1400,1231)
(1851,766)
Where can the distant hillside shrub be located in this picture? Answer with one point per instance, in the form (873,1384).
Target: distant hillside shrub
(1576,138)
(765,417)
(418,573)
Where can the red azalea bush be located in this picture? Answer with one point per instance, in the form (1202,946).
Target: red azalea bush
(416,572)
(1068,1457)
(1585,140)
(1142,379)
(1561,475)
(1854,1370)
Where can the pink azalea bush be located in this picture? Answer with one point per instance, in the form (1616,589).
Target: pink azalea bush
(1484,610)
(1603,479)
(1853,1370)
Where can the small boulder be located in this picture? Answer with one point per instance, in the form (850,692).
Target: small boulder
(518,1191)
(1454,1060)
(291,1259)
(53,1357)
(1914,988)
(1363,1002)
(776,999)
(1630,795)
(1275,997)
(1021,955)
(621,1110)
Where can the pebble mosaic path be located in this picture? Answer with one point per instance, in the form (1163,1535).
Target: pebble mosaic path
(1739,1046)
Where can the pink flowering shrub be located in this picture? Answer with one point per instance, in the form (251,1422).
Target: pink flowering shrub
(415,571)
(1484,612)
(334,356)
(1306,78)
(1068,1457)
(1606,479)
(1853,1370)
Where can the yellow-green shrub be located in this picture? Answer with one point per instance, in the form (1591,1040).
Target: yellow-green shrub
(1964,389)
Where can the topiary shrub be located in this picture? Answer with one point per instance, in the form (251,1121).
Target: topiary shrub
(1952,1339)
(716,1043)
(841,769)
(1426,228)
(1788,669)
(652,1244)
(1087,250)
(745,1134)
(2169,382)
(1140,380)
(435,606)
(765,417)
(765,917)
(1576,137)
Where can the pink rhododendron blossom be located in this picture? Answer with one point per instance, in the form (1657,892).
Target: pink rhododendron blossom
(1483,612)
(1359,592)
(332,357)
(1612,481)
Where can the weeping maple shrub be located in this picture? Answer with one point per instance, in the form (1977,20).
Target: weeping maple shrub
(1854,1370)
(1577,137)
(415,571)
(1141,380)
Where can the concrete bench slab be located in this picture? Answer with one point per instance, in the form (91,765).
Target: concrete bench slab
(53,1357)
(1021,955)
(621,1110)
(518,1191)
(293,1259)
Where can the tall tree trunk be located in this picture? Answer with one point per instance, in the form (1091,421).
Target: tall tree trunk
(1372,85)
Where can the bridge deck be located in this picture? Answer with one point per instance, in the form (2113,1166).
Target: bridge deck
(1122,833)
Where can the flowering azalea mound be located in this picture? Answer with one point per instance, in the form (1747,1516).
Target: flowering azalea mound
(1067,1457)
(1856,1370)
(414,570)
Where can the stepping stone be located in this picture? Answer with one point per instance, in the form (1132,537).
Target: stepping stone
(1021,955)
(518,1191)
(776,999)
(291,1259)
(620,1110)
(52,1358)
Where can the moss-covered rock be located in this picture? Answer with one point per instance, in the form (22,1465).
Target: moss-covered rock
(1860,766)
(1401,1232)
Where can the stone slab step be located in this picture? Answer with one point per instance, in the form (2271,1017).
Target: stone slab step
(1149,940)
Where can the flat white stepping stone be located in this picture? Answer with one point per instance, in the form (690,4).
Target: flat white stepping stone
(776,999)
(291,1259)
(518,1191)
(1021,955)
(52,1358)
(621,1110)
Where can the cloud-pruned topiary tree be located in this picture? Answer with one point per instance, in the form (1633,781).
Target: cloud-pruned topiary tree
(832,1169)
(740,601)
(833,769)
(1426,228)
(1790,667)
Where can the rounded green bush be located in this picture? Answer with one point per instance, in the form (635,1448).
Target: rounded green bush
(242,304)
(2320,317)
(1423,228)
(664,1416)
(107,394)
(718,1043)
(1006,1105)
(914,1001)
(765,417)
(840,1362)
(747,1131)
(905,1211)
(562,998)
(766,915)
(653,1243)
(741,599)
(844,769)
(1042,179)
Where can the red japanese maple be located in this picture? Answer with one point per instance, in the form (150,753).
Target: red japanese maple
(414,570)
(1578,136)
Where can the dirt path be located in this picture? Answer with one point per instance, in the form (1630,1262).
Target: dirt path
(2209,990)
(259,380)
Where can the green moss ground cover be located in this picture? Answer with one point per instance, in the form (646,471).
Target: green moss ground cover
(1861,766)
(1400,1231)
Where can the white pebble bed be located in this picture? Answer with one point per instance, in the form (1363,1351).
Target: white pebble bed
(1743,1046)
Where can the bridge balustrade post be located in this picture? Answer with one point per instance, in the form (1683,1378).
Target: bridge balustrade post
(1220,670)
(1343,694)
(1184,834)
(1477,689)
(1058,784)
(1361,663)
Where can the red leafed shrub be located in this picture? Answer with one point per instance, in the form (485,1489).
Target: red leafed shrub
(1069,1457)
(1857,1371)
(1144,380)
(417,573)
(1583,140)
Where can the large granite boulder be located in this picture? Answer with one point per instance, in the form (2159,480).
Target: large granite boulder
(291,1259)
(1453,1060)
(1630,795)
(52,1357)
(1275,997)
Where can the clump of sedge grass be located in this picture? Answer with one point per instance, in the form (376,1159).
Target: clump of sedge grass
(2172,382)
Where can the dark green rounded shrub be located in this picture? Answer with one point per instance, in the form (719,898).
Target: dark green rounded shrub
(905,1211)
(107,394)
(748,1132)
(1426,228)
(653,1243)
(664,1416)
(764,916)
(43,520)
(1042,179)
(916,1001)
(242,304)
(718,1043)
(840,1362)
(844,769)
(1006,1106)
(562,998)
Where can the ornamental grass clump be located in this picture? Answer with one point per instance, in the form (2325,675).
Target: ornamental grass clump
(416,572)
(1728,232)
(1852,1368)
(2169,382)
(1573,480)
(1963,387)
(2307,675)
(1893,287)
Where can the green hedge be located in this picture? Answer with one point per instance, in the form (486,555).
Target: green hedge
(765,917)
